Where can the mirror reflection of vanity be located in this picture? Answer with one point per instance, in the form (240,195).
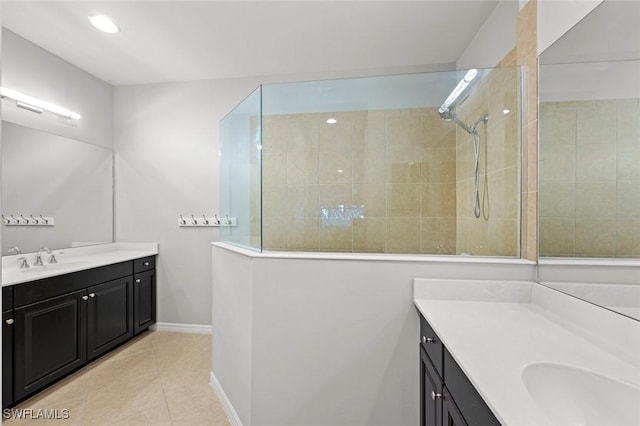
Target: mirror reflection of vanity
(589,159)
(45,176)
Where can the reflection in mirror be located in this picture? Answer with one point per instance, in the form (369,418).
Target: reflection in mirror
(59,178)
(589,152)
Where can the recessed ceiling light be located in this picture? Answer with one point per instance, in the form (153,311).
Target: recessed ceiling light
(332,121)
(104,24)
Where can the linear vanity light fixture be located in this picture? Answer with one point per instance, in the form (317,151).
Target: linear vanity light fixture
(37,105)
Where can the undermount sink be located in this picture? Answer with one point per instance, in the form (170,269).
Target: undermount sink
(55,267)
(573,396)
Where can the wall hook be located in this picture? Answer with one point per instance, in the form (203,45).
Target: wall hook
(227,221)
(14,218)
(216,219)
(36,221)
(182,221)
(193,220)
(206,222)
(24,220)
(46,221)
(5,220)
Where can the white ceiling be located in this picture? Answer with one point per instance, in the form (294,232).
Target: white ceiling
(185,40)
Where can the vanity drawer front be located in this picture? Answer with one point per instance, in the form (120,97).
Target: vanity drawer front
(473,408)
(47,288)
(431,344)
(7,298)
(144,264)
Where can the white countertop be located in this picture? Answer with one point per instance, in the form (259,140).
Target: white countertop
(494,330)
(73,260)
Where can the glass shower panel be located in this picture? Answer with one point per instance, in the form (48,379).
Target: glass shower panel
(370,165)
(240,164)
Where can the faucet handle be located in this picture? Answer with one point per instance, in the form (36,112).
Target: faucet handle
(23,262)
(53,259)
(38,261)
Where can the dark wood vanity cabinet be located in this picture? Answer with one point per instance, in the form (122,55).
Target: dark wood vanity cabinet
(447,397)
(7,345)
(61,323)
(144,295)
(50,341)
(109,316)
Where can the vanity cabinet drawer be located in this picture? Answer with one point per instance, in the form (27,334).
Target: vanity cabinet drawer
(144,264)
(7,298)
(431,344)
(473,408)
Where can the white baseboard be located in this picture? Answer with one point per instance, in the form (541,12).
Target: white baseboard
(181,328)
(231,413)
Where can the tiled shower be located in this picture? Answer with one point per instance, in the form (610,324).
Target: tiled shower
(590,179)
(368,165)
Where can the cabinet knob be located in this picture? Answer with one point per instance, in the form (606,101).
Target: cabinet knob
(146,263)
(435,396)
(9,321)
(138,280)
(426,340)
(85,297)
(92,295)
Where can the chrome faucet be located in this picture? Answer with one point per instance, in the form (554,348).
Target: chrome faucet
(15,250)
(38,261)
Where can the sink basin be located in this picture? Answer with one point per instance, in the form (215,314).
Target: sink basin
(573,396)
(55,267)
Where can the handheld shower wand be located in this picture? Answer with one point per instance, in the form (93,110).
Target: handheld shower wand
(446,114)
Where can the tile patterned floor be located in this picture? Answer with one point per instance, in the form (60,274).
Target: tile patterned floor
(158,378)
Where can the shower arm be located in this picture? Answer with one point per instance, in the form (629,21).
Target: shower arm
(449,115)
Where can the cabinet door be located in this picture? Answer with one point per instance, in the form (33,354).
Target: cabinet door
(110,316)
(7,358)
(144,296)
(430,392)
(451,413)
(50,341)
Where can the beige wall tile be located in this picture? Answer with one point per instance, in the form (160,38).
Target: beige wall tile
(595,199)
(557,126)
(628,121)
(628,161)
(628,237)
(628,199)
(596,162)
(274,200)
(274,233)
(439,165)
(302,168)
(405,135)
(335,167)
(332,196)
(439,200)
(303,201)
(558,163)
(557,199)
(369,234)
(595,237)
(303,234)
(404,200)
(596,126)
(478,237)
(372,197)
(557,236)
(335,137)
(438,235)
(462,235)
(335,236)
(403,172)
(503,237)
(274,168)
(403,235)
(501,199)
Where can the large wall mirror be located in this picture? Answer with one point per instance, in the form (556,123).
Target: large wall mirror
(589,148)
(54,177)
